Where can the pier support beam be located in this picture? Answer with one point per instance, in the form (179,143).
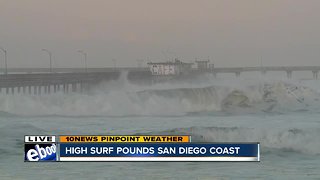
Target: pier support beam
(289,74)
(65,88)
(39,90)
(315,74)
(12,90)
(263,72)
(81,87)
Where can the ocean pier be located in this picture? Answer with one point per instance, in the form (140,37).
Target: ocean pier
(39,81)
(45,80)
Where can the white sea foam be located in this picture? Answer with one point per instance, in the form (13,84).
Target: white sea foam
(120,98)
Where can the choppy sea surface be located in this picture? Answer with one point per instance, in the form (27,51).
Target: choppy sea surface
(283,116)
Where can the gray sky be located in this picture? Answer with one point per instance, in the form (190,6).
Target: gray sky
(232,32)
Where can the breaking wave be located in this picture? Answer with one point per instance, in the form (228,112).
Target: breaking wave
(121,98)
(283,139)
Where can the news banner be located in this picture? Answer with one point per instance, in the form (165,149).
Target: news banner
(134,148)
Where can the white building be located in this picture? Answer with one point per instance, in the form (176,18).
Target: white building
(170,68)
(202,65)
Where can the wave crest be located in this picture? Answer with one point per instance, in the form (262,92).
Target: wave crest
(277,97)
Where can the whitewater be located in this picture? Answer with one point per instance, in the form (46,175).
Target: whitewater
(283,115)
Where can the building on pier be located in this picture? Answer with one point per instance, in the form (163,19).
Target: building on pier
(170,68)
(202,64)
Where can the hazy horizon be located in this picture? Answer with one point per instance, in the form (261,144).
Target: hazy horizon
(230,33)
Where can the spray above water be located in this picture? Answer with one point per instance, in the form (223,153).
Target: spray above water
(120,98)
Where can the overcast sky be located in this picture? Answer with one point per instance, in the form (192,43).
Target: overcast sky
(230,32)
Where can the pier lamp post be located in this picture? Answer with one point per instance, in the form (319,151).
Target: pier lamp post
(85,59)
(5,60)
(50,58)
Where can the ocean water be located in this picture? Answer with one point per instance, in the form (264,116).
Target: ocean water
(284,116)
